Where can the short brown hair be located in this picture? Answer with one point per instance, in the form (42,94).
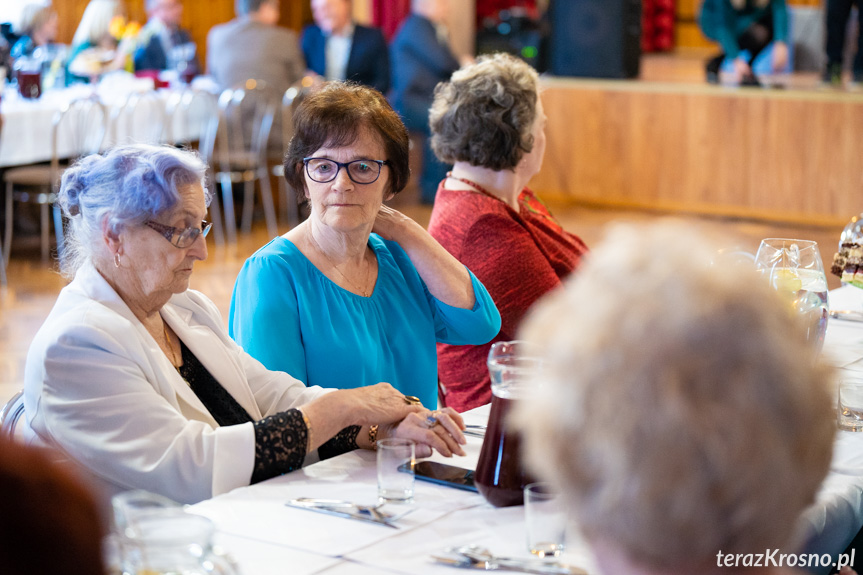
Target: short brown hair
(484,114)
(335,116)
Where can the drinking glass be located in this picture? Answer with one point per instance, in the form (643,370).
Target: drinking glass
(850,409)
(396,460)
(545,520)
(795,270)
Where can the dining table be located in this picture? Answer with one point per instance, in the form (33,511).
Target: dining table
(266,536)
(25,137)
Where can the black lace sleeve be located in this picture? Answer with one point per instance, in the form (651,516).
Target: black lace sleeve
(342,442)
(280,444)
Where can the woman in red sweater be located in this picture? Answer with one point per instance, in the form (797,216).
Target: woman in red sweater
(489,123)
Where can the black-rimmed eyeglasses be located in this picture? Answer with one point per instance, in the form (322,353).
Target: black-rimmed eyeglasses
(323,170)
(181,238)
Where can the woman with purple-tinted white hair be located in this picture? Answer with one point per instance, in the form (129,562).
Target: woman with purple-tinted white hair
(133,375)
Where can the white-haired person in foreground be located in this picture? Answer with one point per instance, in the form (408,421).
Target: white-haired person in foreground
(681,410)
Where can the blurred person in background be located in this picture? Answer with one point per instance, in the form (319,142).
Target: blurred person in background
(749,25)
(38,27)
(838,15)
(337,48)
(253,45)
(161,35)
(694,423)
(488,120)
(94,46)
(420,57)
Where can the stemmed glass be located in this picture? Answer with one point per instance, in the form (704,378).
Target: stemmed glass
(794,269)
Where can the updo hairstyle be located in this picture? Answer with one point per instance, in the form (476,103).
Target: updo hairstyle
(128,185)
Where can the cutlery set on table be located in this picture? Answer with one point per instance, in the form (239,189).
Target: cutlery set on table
(475,557)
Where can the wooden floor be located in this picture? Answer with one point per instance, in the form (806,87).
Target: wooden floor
(33,284)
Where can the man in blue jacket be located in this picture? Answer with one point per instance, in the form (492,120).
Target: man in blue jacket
(421,57)
(336,48)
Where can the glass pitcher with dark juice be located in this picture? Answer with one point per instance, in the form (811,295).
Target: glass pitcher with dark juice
(500,476)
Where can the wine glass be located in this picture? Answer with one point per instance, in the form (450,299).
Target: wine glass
(794,269)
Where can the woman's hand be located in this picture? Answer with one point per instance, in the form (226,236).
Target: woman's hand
(379,404)
(445,277)
(391,224)
(431,430)
(780,56)
(741,68)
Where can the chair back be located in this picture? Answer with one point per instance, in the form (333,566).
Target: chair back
(188,115)
(292,98)
(244,122)
(139,119)
(11,415)
(78,130)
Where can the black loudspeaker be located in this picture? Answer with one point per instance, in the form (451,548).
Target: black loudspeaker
(595,38)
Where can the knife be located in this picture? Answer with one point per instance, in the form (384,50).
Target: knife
(338,509)
(509,565)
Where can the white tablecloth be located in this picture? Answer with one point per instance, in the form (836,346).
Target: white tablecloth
(26,133)
(268,537)
(837,515)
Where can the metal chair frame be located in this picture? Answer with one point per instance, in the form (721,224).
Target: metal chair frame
(236,150)
(125,116)
(87,121)
(288,196)
(11,415)
(178,110)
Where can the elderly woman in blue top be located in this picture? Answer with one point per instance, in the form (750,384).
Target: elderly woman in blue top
(366,306)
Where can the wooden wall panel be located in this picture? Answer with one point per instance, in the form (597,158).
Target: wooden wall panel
(790,156)
(198,16)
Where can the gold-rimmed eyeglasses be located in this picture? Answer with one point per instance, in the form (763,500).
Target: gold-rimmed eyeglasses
(181,238)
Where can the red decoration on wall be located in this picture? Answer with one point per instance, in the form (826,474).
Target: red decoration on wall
(657,25)
(388,14)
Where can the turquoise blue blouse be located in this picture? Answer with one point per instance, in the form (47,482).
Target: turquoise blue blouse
(292,318)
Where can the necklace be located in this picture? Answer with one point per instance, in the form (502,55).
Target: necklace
(474,185)
(174,361)
(522,202)
(359,288)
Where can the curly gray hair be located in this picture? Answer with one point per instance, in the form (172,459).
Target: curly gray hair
(128,185)
(485,113)
(667,419)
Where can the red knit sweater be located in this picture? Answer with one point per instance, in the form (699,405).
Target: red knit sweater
(517,256)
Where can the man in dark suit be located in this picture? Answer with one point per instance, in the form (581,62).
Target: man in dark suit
(336,48)
(421,57)
(161,35)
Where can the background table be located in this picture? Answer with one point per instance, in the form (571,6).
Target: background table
(26,134)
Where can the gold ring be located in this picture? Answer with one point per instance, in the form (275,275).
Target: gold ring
(412,400)
(431,420)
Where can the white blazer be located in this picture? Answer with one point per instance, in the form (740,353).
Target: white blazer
(98,387)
